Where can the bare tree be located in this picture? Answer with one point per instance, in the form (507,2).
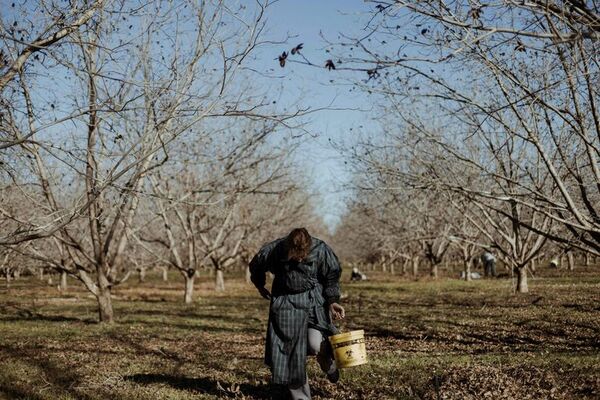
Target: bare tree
(205,203)
(495,104)
(455,186)
(125,100)
(500,72)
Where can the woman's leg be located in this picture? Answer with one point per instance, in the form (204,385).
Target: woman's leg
(300,392)
(317,345)
(315,340)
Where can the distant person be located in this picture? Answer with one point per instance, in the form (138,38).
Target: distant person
(489,264)
(304,297)
(357,275)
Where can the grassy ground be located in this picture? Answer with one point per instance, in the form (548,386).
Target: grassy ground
(425,340)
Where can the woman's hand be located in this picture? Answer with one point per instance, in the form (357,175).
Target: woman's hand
(336,311)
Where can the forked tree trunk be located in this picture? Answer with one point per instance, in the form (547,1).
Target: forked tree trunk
(188,295)
(522,286)
(63,281)
(415,266)
(219,281)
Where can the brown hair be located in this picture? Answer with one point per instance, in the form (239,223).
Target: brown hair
(298,244)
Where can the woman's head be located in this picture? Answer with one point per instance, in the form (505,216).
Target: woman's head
(298,244)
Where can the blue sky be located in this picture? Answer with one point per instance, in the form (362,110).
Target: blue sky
(306,22)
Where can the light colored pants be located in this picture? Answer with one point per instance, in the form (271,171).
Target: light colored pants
(317,345)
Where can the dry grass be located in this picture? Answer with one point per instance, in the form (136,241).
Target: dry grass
(426,340)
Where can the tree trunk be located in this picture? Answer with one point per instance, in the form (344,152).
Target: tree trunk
(393,268)
(189,288)
(7,279)
(248,275)
(142,275)
(533,265)
(16,274)
(434,270)
(219,281)
(415,266)
(522,286)
(165,274)
(63,281)
(105,309)
(571,261)
(586,259)
(405,266)
(467,264)
(41,274)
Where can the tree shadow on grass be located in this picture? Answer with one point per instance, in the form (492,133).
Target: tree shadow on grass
(51,376)
(45,318)
(17,393)
(15,313)
(485,341)
(201,328)
(204,385)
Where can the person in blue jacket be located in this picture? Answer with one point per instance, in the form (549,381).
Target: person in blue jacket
(304,298)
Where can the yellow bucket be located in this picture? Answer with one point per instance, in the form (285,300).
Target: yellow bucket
(349,348)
